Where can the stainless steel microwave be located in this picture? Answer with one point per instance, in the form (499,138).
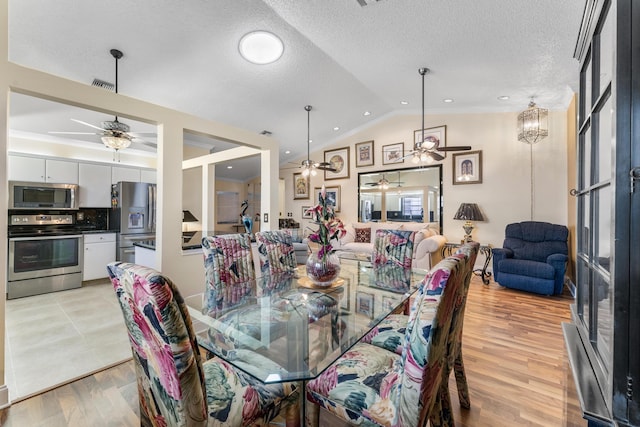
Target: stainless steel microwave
(42,195)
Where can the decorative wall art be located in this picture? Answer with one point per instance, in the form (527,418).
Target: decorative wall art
(393,153)
(364,154)
(300,186)
(339,160)
(434,137)
(333,196)
(467,167)
(364,304)
(305,214)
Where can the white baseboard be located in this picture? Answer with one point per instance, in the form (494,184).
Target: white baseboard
(4,396)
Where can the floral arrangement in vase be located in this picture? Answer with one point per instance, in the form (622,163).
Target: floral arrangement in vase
(323,265)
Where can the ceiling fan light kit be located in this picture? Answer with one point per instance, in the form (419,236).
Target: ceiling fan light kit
(426,149)
(308,166)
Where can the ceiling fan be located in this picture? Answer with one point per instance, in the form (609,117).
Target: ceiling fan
(426,150)
(309,166)
(384,182)
(114,134)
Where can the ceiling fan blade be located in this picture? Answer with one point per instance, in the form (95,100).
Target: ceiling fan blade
(87,124)
(73,133)
(326,168)
(142,134)
(437,157)
(455,148)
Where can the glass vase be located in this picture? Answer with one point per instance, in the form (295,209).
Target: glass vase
(322,270)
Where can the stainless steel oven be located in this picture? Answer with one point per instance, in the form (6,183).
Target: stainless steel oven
(43,259)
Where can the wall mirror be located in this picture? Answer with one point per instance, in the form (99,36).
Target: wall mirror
(410,195)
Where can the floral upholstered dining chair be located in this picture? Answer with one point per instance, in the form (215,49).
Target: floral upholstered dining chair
(175,388)
(390,332)
(229,271)
(393,247)
(275,249)
(369,384)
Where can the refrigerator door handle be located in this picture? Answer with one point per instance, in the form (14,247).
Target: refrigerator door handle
(149,207)
(152,206)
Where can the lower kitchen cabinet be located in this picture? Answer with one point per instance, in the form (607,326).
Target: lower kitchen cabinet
(99,250)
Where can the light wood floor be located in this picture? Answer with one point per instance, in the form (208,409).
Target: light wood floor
(514,354)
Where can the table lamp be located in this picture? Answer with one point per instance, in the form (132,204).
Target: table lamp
(468,212)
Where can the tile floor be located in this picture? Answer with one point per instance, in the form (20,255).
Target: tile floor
(55,338)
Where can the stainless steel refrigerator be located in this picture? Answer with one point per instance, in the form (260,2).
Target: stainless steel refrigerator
(132,216)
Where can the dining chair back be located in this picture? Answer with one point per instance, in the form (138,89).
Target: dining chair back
(393,247)
(370,384)
(442,414)
(229,271)
(175,388)
(276,252)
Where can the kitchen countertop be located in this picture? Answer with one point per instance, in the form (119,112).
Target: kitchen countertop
(190,240)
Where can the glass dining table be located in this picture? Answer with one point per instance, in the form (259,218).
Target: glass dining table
(282,328)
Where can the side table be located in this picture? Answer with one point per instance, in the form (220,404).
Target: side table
(484,250)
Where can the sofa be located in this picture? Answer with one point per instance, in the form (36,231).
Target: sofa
(427,243)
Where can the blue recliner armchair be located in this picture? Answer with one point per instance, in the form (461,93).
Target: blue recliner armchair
(533,257)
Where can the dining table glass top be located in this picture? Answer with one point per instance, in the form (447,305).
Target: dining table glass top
(281,328)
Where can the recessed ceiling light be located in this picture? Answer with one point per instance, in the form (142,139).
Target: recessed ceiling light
(229,167)
(404,102)
(366,113)
(261,47)
(287,152)
(336,128)
(503,98)
(448,100)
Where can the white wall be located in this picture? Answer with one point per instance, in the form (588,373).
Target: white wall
(504,196)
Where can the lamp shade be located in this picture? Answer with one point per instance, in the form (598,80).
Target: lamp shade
(188,217)
(469,212)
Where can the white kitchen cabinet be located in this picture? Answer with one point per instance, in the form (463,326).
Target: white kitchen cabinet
(34,169)
(26,169)
(119,173)
(148,175)
(99,250)
(61,171)
(95,185)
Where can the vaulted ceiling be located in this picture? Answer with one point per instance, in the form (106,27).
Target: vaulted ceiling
(341,57)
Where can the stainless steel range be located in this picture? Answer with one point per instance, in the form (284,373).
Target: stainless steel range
(45,254)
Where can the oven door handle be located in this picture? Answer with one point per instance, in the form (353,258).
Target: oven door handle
(68,236)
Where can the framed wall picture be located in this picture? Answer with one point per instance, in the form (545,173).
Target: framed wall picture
(305,214)
(389,303)
(364,154)
(393,153)
(300,186)
(339,160)
(433,137)
(364,304)
(333,196)
(467,167)
(345,298)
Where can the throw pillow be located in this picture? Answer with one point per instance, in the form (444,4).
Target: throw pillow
(363,235)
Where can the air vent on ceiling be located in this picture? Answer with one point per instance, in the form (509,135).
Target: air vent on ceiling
(363,3)
(103,84)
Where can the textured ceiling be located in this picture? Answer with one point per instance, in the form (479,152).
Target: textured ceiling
(341,58)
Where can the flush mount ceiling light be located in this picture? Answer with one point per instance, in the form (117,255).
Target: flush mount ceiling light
(261,47)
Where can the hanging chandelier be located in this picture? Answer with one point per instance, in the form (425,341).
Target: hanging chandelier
(533,124)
